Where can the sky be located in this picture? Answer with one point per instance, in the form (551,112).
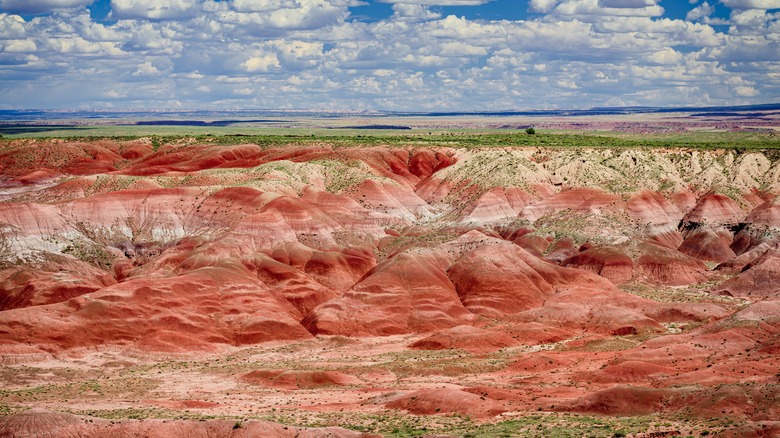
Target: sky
(403,55)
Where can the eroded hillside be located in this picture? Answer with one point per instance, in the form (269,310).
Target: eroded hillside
(311,284)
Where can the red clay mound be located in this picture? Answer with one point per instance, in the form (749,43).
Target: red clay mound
(42,423)
(471,339)
(760,429)
(737,264)
(300,290)
(447,401)
(56,280)
(630,371)
(591,303)
(540,363)
(425,163)
(561,250)
(499,278)
(291,379)
(652,208)
(194,158)
(533,243)
(497,204)
(668,266)
(182,404)
(534,333)
(391,198)
(337,269)
(608,262)
(658,217)
(597,316)
(759,279)
(213,305)
(708,245)
(581,200)
(170,342)
(728,350)
(38,176)
(756,402)
(409,293)
(750,237)
(766,214)
(620,400)
(715,210)
(65,157)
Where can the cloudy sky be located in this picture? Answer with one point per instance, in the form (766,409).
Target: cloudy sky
(387,54)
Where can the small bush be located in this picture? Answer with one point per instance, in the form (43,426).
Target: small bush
(530,130)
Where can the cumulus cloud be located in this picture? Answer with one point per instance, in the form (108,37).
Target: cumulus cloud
(591,10)
(113,94)
(261,63)
(314,54)
(39,6)
(542,6)
(411,12)
(667,56)
(439,2)
(259,5)
(12,26)
(18,46)
(700,12)
(284,16)
(745,91)
(154,9)
(627,3)
(752,4)
(147,69)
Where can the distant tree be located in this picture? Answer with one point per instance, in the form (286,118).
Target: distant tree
(530,130)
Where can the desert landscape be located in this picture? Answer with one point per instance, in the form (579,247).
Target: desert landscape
(601,276)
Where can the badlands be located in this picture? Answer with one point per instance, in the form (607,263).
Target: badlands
(309,287)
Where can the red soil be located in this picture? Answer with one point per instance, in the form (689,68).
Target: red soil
(38,422)
(398,288)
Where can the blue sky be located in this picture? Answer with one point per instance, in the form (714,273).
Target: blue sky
(494,10)
(388,54)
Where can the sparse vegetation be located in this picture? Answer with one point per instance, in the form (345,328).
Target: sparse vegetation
(227,237)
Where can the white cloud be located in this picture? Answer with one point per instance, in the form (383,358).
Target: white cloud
(750,17)
(745,91)
(113,94)
(39,6)
(752,4)
(589,9)
(146,69)
(568,84)
(261,63)
(543,6)
(12,27)
(410,12)
(258,5)
(286,16)
(154,9)
(439,2)
(313,54)
(667,56)
(18,46)
(702,11)
(626,3)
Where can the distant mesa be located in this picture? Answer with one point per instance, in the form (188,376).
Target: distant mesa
(389,127)
(215,123)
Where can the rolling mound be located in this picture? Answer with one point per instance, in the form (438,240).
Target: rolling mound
(252,285)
